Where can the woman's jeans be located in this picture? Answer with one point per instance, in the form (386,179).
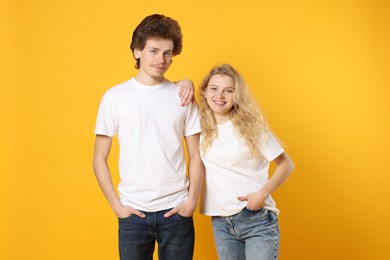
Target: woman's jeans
(174,235)
(247,235)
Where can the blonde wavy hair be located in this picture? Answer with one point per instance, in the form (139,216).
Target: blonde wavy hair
(246,116)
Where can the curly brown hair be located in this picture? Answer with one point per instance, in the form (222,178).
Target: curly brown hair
(159,26)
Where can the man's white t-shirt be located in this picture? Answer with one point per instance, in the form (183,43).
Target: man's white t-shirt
(150,123)
(231,171)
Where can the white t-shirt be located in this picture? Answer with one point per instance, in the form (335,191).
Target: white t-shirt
(150,123)
(231,171)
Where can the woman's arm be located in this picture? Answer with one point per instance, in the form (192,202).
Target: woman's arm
(284,168)
(186,92)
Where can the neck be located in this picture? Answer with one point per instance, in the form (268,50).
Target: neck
(221,119)
(148,81)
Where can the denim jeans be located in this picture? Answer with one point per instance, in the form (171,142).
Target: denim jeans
(250,234)
(175,237)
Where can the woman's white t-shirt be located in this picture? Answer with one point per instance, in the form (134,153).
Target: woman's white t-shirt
(231,172)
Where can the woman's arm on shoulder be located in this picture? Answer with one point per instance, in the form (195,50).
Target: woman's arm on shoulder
(186,92)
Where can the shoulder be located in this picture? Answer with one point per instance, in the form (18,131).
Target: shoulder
(117,89)
(271,148)
(169,90)
(272,140)
(169,85)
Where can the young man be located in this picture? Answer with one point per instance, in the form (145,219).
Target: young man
(156,199)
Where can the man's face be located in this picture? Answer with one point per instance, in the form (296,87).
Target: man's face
(155,59)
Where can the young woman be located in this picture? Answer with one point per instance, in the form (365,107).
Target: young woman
(237,147)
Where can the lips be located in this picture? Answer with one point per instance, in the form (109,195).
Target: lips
(217,102)
(159,68)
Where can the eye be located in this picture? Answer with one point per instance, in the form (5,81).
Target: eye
(154,51)
(168,54)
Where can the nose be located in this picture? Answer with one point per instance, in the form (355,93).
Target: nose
(220,94)
(161,58)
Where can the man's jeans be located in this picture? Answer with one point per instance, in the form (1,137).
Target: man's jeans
(247,235)
(175,237)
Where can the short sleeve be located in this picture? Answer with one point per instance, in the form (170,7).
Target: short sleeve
(105,122)
(192,122)
(271,149)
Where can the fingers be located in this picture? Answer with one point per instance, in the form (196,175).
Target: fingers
(127,211)
(254,206)
(185,101)
(242,198)
(171,212)
(190,98)
(183,97)
(184,93)
(187,98)
(138,213)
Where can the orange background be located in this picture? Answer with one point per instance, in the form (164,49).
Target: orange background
(318,68)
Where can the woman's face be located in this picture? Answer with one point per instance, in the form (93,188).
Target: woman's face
(219,94)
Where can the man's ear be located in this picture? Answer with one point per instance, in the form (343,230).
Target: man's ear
(137,53)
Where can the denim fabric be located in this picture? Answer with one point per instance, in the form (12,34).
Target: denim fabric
(175,237)
(250,234)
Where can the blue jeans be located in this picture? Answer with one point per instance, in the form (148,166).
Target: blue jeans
(250,234)
(175,237)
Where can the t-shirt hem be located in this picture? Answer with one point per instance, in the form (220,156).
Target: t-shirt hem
(98,132)
(213,214)
(276,154)
(152,209)
(192,132)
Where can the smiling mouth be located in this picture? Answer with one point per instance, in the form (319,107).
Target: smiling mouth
(219,102)
(159,68)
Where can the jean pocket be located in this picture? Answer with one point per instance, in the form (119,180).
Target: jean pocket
(182,217)
(126,219)
(253,211)
(273,217)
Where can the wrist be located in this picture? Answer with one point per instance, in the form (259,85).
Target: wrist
(192,202)
(117,207)
(263,193)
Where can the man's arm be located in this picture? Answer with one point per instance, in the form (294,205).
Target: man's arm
(196,174)
(195,169)
(103,176)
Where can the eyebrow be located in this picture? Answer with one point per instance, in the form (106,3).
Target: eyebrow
(156,48)
(213,85)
